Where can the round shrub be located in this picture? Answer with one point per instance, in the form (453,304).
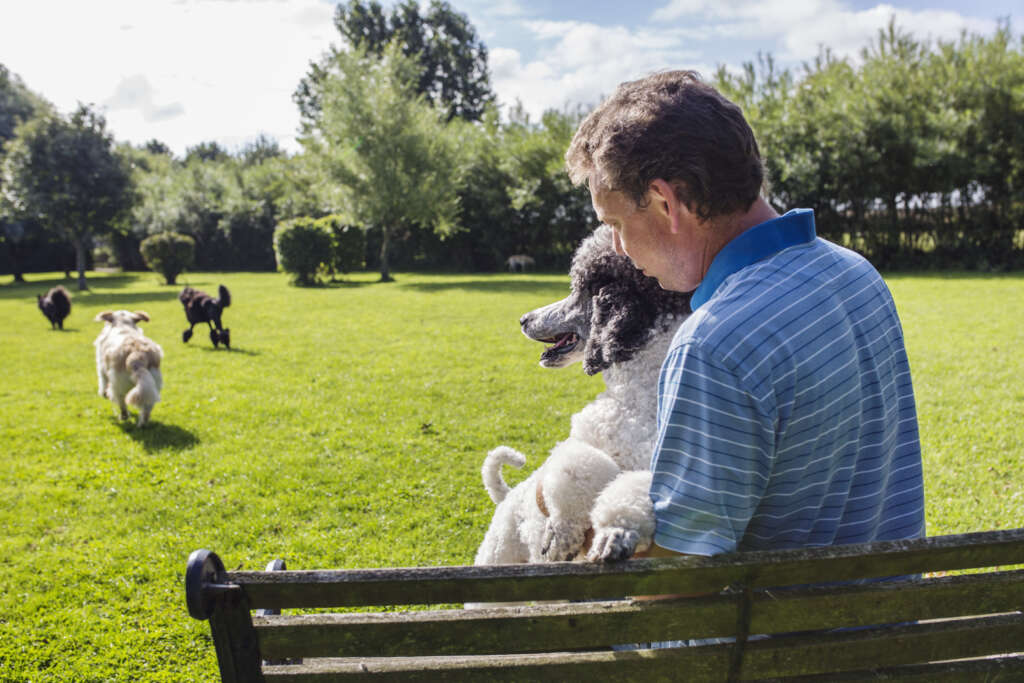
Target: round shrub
(348,244)
(301,247)
(168,253)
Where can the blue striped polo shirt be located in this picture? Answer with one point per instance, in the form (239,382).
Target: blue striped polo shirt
(786,414)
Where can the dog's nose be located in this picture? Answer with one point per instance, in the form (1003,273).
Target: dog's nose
(524,319)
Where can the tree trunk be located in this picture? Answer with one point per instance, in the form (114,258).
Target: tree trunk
(12,249)
(385,270)
(79,244)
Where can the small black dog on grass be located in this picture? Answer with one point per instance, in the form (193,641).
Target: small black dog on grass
(200,307)
(55,305)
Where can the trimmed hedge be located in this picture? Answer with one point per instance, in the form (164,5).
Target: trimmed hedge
(168,253)
(348,244)
(302,246)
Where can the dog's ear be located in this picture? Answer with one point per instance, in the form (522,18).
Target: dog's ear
(620,325)
(140,315)
(104,317)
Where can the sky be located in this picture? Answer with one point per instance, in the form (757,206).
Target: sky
(191,71)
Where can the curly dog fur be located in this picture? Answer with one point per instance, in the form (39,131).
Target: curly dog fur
(128,364)
(200,307)
(617,322)
(55,305)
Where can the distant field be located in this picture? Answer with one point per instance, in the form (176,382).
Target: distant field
(346,429)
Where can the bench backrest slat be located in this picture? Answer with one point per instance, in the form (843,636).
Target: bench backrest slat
(581,581)
(780,657)
(578,625)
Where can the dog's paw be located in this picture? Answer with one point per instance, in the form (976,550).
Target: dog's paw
(186,335)
(612,544)
(561,541)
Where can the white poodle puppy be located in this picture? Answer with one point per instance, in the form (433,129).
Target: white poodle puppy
(617,322)
(128,364)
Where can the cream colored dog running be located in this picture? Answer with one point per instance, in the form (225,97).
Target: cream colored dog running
(128,364)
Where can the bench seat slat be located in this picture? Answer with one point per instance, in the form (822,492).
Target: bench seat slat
(776,658)
(576,625)
(993,669)
(444,585)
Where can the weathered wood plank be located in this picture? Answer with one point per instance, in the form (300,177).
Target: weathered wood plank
(577,625)
(988,669)
(582,581)
(884,646)
(773,658)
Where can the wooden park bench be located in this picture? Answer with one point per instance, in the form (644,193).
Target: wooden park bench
(942,627)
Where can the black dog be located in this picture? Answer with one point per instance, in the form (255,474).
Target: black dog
(55,305)
(200,307)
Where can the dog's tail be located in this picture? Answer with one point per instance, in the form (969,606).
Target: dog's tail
(224,296)
(146,391)
(491,471)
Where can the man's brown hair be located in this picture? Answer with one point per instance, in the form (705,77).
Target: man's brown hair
(670,125)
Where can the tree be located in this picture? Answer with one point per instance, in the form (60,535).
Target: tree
(262,148)
(168,253)
(67,175)
(303,247)
(454,76)
(17,105)
(206,151)
(395,160)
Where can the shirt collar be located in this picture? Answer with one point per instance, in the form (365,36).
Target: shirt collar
(756,243)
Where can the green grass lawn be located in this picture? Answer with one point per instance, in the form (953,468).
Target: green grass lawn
(346,429)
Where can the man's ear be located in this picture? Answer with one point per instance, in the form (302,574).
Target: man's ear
(664,200)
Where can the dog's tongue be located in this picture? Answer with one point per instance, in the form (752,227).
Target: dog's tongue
(564,340)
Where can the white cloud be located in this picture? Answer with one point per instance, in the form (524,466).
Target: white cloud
(793,31)
(136,92)
(227,69)
(846,32)
(579,62)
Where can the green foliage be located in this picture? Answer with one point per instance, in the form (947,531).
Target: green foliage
(910,156)
(303,246)
(17,104)
(453,76)
(396,162)
(359,446)
(66,174)
(169,253)
(348,243)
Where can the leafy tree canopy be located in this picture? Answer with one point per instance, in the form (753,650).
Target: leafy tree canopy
(17,104)
(454,71)
(66,174)
(395,160)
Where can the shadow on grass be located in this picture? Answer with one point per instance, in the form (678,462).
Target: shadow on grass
(336,284)
(156,436)
(126,300)
(16,290)
(234,349)
(497,286)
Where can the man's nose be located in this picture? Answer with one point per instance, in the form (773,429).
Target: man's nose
(617,244)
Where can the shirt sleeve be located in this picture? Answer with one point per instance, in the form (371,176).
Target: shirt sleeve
(713,454)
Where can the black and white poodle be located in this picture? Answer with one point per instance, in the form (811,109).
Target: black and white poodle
(55,305)
(595,484)
(200,307)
